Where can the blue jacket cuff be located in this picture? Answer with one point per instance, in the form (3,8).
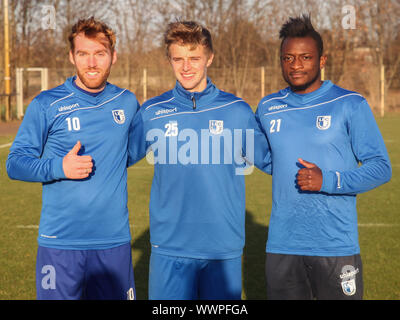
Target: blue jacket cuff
(58,171)
(328,181)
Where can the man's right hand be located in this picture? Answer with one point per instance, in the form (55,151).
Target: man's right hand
(75,166)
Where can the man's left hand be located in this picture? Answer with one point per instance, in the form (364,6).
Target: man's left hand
(309,178)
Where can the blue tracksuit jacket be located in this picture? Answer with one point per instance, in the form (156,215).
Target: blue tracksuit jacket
(335,129)
(77,214)
(201,143)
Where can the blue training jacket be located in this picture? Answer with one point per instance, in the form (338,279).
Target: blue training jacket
(335,129)
(201,143)
(77,214)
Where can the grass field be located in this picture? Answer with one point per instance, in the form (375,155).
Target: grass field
(379,228)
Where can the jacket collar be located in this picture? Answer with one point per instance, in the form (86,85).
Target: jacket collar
(201,98)
(302,99)
(109,89)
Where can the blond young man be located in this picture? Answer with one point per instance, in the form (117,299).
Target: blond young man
(202,139)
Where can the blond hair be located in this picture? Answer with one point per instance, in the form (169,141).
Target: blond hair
(187,33)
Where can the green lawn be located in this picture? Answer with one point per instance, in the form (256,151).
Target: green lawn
(379,229)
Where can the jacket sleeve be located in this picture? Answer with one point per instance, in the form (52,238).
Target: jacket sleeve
(369,150)
(24,161)
(258,152)
(137,140)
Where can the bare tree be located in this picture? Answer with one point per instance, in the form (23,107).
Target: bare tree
(245,34)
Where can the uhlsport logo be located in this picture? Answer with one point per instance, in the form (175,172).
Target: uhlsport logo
(165,111)
(119,116)
(279,107)
(323,122)
(69,107)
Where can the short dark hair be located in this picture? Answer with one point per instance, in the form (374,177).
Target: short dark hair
(301,27)
(187,33)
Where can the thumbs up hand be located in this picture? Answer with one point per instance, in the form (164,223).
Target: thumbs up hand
(75,166)
(309,178)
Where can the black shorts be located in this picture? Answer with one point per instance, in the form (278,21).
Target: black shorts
(295,277)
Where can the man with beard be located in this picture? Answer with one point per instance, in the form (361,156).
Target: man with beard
(326,148)
(74,139)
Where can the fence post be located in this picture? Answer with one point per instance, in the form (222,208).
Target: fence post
(382,90)
(144,84)
(44,79)
(262,82)
(7,73)
(20,93)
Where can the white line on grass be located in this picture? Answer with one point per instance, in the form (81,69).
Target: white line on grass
(29,226)
(377,225)
(5,145)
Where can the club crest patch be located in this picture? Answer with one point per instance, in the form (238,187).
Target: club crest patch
(216,126)
(349,287)
(348,277)
(323,122)
(119,116)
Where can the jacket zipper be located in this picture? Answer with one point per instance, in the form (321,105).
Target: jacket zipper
(194,102)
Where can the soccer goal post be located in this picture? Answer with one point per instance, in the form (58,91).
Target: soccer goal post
(44,81)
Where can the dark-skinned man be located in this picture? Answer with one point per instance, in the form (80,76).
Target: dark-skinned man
(326,148)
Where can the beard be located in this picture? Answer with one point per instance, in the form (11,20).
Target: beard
(94,84)
(304,86)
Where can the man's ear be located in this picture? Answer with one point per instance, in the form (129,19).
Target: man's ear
(322,61)
(71,57)
(114,57)
(210,59)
